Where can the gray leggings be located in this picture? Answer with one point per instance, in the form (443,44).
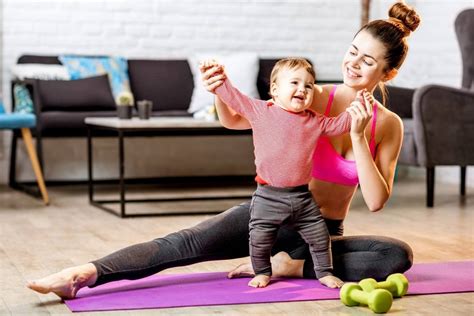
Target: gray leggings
(226,236)
(273,208)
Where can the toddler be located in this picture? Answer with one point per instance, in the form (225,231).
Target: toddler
(285,133)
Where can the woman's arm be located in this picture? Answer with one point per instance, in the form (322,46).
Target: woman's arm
(212,78)
(377,184)
(376,177)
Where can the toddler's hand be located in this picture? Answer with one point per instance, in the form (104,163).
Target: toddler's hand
(360,97)
(361,112)
(368,100)
(212,73)
(209,63)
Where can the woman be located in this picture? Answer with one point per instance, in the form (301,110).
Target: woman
(366,157)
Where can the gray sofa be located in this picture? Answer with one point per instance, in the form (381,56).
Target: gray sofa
(61,106)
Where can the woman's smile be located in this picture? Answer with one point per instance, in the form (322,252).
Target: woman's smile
(351,74)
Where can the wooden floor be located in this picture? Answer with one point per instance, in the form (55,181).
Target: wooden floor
(36,241)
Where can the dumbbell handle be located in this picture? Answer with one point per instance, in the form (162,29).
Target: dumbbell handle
(388,285)
(360,296)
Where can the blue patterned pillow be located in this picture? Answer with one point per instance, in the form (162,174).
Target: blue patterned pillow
(83,67)
(22,97)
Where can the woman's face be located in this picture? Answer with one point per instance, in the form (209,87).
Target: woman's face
(364,64)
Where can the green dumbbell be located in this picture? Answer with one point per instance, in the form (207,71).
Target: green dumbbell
(396,283)
(379,300)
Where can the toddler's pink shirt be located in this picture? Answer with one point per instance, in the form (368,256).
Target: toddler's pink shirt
(284,141)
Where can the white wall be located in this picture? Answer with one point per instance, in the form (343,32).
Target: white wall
(318,29)
(1,46)
(434,57)
(2,135)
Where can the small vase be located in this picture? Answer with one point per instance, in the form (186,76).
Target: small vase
(124,112)
(144,109)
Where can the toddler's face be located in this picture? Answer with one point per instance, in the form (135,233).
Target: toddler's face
(293,89)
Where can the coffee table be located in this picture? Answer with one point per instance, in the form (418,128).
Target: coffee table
(156,126)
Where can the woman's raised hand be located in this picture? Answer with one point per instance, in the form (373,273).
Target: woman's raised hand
(212,74)
(361,112)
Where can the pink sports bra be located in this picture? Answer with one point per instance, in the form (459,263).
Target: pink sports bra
(329,165)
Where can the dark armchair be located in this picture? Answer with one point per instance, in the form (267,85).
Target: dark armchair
(439,120)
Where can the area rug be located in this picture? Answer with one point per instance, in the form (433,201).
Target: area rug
(205,289)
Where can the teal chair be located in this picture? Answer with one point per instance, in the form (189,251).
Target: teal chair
(23,122)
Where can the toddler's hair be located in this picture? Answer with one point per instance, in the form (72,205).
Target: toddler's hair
(291,63)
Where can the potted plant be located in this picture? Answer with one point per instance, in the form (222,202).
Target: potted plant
(124,103)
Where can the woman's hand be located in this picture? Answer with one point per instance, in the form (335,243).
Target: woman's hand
(361,113)
(212,74)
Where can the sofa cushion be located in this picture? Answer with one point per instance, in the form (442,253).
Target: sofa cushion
(87,66)
(172,113)
(40,71)
(89,94)
(263,79)
(242,69)
(22,98)
(38,59)
(408,154)
(167,83)
(64,124)
(399,100)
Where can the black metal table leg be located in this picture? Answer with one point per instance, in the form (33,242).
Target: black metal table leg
(89,165)
(430,184)
(121,174)
(463,181)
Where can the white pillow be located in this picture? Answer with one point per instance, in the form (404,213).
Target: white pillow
(40,71)
(242,69)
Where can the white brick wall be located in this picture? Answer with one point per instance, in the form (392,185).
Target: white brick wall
(1,50)
(318,29)
(434,55)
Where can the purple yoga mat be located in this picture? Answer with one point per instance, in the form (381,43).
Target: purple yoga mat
(204,289)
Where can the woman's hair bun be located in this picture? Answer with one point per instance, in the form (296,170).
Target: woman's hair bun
(406,15)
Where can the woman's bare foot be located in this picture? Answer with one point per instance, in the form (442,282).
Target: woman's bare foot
(241,271)
(285,266)
(260,280)
(66,283)
(331,281)
(282,266)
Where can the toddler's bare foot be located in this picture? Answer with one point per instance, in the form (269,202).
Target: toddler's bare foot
(331,281)
(260,280)
(241,271)
(66,283)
